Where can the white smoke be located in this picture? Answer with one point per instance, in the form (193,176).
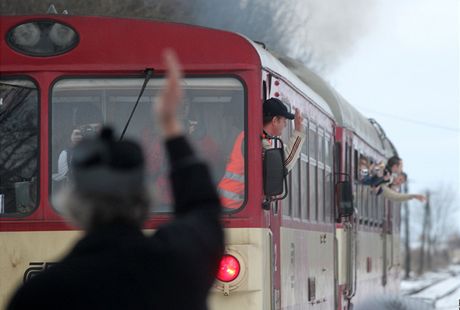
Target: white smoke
(321,33)
(332,29)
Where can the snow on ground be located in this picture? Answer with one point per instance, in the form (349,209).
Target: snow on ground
(415,284)
(450,302)
(441,288)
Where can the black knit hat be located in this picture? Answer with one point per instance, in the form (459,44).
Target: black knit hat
(106,166)
(275,107)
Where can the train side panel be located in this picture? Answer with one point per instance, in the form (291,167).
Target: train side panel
(26,253)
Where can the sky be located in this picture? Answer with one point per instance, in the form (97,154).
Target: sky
(404,72)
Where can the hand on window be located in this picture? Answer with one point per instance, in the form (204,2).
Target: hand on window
(298,120)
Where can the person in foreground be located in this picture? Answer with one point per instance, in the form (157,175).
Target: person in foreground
(114,265)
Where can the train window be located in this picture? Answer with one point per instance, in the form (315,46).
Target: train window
(373,207)
(328,192)
(380,206)
(19,145)
(304,180)
(320,146)
(312,143)
(213,114)
(312,182)
(365,202)
(287,203)
(321,172)
(356,165)
(348,158)
(320,192)
(329,179)
(357,199)
(295,190)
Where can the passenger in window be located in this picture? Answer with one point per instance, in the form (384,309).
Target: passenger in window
(390,191)
(115,265)
(206,146)
(88,122)
(392,169)
(157,165)
(275,118)
(364,170)
(370,174)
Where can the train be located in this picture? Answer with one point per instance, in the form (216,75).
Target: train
(322,241)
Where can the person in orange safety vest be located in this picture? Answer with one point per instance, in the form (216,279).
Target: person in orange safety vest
(231,186)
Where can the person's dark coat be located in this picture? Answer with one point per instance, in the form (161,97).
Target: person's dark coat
(118,267)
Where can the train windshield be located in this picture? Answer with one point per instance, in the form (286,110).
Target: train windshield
(18,147)
(213,115)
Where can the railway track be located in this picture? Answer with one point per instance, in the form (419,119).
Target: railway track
(441,293)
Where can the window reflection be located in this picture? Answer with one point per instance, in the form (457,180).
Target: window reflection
(213,114)
(18,147)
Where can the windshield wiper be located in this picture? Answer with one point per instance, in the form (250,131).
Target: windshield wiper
(148,74)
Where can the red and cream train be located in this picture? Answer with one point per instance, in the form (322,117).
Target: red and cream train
(314,249)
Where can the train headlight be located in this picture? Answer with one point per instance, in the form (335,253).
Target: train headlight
(229,268)
(26,35)
(42,38)
(62,35)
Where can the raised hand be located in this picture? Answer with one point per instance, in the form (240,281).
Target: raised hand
(298,120)
(166,106)
(420,198)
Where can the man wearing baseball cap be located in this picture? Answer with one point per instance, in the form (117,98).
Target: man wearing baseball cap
(275,117)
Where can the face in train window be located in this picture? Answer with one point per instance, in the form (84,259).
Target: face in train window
(212,113)
(18,147)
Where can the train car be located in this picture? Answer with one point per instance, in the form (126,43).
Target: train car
(310,250)
(367,233)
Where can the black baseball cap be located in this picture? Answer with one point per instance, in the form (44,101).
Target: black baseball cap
(104,165)
(275,107)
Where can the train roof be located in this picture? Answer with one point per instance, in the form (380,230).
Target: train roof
(133,45)
(272,63)
(343,112)
(240,51)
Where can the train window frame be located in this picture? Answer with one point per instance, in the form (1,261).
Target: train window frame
(328,178)
(304,199)
(312,172)
(288,200)
(36,204)
(312,133)
(156,81)
(373,207)
(294,175)
(320,175)
(358,199)
(365,202)
(357,155)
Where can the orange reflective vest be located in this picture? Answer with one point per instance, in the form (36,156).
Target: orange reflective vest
(231,186)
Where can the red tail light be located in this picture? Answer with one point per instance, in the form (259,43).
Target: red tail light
(229,268)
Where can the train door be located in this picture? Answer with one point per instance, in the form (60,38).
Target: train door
(269,84)
(346,230)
